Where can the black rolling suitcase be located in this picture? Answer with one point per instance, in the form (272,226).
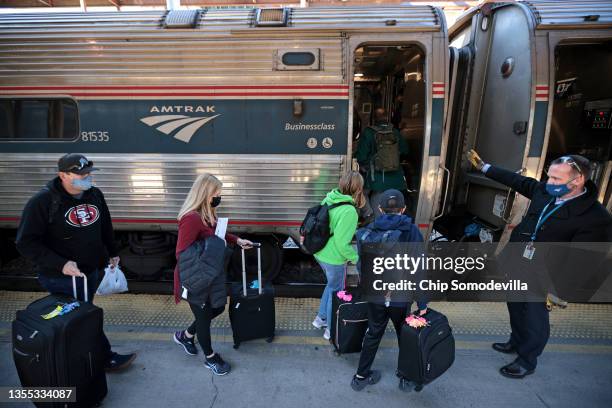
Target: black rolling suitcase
(63,351)
(427,352)
(349,323)
(251,311)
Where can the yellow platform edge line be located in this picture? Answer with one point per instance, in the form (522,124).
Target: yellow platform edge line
(319,341)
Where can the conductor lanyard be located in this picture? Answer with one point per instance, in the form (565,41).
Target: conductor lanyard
(543,217)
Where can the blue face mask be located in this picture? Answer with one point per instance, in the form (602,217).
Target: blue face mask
(83,184)
(558,190)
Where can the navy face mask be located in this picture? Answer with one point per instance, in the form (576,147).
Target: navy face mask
(82,184)
(215,201)
(558,190)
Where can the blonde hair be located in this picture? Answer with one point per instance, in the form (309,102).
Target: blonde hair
(351,183)
(202,191)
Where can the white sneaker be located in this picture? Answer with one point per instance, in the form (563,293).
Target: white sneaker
(326,334)
(319,323)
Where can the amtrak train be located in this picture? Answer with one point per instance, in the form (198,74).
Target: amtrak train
(272,101)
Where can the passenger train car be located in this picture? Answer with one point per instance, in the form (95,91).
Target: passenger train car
(273,101)
(266,99)
(530,82)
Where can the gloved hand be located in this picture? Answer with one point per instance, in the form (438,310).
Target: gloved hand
(475,159)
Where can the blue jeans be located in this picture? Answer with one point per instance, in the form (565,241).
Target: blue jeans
(62,285)
(335,282)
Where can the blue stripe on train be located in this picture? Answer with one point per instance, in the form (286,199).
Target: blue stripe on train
(228,126)
(437,118)
(539,128)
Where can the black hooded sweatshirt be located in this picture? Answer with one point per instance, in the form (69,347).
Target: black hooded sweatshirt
(71,229)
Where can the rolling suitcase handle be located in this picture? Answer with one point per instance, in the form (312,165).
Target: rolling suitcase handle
(85,291)
(244,284)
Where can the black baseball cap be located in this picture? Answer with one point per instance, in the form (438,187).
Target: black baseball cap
(392,199)
(75,163)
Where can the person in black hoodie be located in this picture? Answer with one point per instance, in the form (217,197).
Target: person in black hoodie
(66,231)
(391,227)
(563,209)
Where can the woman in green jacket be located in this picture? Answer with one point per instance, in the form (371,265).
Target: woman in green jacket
(338,250)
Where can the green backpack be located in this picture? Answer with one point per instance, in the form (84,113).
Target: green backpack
(387,157)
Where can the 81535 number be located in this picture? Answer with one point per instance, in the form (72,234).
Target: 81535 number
(95,136)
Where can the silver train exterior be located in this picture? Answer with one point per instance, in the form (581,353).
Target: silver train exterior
(527,78)
(270,94)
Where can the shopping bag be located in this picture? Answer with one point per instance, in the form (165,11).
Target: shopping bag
(113,282)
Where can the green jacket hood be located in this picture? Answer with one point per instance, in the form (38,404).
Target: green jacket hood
(335,196)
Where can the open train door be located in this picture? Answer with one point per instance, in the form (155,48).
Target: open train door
(460,67)
(502,123)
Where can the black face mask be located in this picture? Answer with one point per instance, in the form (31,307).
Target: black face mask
(215,201)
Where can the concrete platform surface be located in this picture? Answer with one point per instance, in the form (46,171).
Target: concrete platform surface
(300,369)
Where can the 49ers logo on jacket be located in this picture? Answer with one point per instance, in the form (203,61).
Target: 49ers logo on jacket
(82,215)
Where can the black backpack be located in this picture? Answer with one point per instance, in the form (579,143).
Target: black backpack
(315,227)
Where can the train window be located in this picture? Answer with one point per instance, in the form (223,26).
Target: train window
(35,119)
(297,60)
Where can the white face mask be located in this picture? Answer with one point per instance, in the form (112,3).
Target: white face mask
(83,184)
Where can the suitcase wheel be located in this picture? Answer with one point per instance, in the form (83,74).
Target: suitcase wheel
(236,345)
(418,387)
(270,339)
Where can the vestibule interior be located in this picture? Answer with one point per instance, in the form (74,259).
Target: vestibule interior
(392,77)
(582,110)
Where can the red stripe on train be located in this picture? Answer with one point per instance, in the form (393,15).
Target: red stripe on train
(206,94)
(136,87)
(158,221)
(232,222)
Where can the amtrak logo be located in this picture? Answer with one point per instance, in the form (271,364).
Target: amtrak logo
(82,215)
(169,123)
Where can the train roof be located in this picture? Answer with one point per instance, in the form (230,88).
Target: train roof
(563,14)
(555,14)
(221,22)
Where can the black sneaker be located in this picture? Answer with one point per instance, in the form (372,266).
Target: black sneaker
(187,343)
(359,384)
(119,362)
(217,365)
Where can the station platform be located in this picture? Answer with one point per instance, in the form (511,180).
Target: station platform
(300,369)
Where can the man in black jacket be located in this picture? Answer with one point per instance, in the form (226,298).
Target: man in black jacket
(66,231)
(562,209)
